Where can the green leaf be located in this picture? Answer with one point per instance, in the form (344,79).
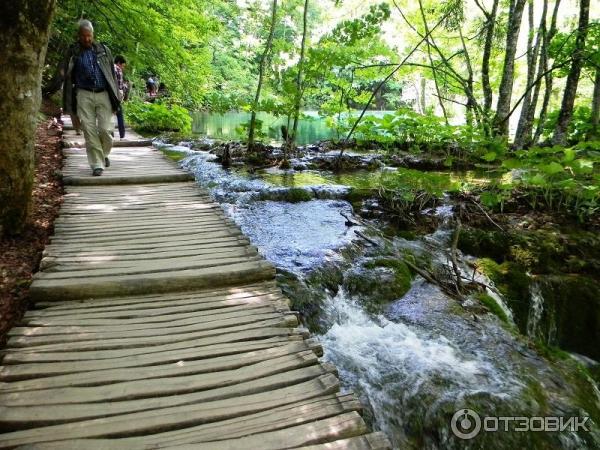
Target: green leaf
(490,156)
(537,180)
(569,155)
(552,168)
(583,166)
(512,163)
(489,199)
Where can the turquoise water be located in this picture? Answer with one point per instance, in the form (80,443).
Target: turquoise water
(311,128)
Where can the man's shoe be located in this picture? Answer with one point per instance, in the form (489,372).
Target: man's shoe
(97,172)
(106,162)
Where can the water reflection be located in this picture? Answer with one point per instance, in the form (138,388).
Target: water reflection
(311,128)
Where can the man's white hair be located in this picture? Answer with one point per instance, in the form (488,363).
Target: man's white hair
(85,24)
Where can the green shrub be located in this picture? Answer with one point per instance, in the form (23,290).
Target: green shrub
(579,126)
(430,133)
(157,117)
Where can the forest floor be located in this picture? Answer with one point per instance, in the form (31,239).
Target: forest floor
(20,256)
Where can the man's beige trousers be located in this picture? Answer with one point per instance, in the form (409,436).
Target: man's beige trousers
(95,112)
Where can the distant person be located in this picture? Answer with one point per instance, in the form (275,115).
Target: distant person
(151,89)
(90,91)
(120,64)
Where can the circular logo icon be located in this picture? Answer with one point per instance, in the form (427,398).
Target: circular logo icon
(465,424)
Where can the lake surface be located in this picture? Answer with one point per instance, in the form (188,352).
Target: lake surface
(311,128)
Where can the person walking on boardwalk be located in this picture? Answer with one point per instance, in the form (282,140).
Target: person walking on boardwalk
(90,91)
(122,87)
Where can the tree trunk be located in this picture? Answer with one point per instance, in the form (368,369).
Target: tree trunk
(542,65)
(299,88)
(500,122)
(485,64)
(548,78)
(433,69)
(261,74)
(524,128)
(471,111)
(423,100)
(23,43)
(595,118)
(568,101)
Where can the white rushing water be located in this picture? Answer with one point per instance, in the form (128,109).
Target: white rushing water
(397,368)
(536,309)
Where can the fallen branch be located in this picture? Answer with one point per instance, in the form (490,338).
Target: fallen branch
(487,215)
(453,250)
(369,240)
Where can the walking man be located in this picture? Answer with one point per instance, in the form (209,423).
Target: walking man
(90,91)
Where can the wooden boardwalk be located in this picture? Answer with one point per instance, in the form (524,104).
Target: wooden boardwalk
(158,325)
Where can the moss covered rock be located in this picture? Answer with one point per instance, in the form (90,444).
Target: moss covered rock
(513,282)
(378,281)
(571,314)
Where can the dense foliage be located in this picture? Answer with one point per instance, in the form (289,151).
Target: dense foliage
(440,69)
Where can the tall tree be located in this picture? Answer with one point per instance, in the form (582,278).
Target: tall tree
(23,42)
(595,117)
(490,26)
(261,74)
(524,128)
(299,87)
(515,14)
(432,64)
(568,101)
(548,77)
(593,63)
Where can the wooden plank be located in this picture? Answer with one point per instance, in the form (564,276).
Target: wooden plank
(181,366)
(198,235)
(54,263)
(171,315)
(213,304)
(225,293)
(197,313)
(179,352)
(29,409)
(149,267)
(260,332)
(34,342)
(142,265)
(129,179)
(158,339)
(112,234)
(111,286)
(164,224)
(165,419)
(159,301)
(342,426)
(206,311)
(281,418)
(140,248)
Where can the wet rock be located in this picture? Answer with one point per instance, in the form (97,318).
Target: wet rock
(512,281)
(378,281)
(570,316)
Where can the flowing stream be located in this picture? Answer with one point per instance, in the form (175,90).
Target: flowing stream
(420,357)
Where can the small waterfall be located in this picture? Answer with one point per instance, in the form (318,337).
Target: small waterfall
(536,309)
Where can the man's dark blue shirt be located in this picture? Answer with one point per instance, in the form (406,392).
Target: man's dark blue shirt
(87,71)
